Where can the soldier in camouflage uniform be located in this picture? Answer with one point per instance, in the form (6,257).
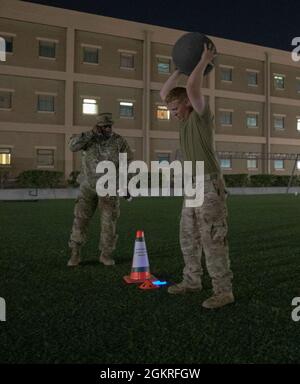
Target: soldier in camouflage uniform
(202,229)
(96,145)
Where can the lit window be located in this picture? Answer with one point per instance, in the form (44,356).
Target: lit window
(252,120)
(226,118)
(279,122)
(5,100)
(45,157)
(126,109)
(9,43)
(163,157)
(298,124)
(162,113)
(163,65)
(298,164)
(226,74)
(5,156)
(225,163)
(278,164)
(252,163)
(89,107)
(91,55)
(252,78)
(126,61)
(45,103)
(279,81)
(47,49)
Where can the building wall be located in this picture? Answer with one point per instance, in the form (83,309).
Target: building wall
(25,92)
(239,109)
(109,63)
(69,79)
(23,148)
(26,44)
(239,74)
(109,101)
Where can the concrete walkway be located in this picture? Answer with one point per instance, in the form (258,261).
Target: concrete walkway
(71,193)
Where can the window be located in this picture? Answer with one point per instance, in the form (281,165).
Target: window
(298,124)
(252,163)
(126,60)
(252,120)
(226,74)
(279,122)
(225,163)
(9,44)
(279,81)
(5,156)
(278,164)
(163,157)
(91,55)
(162,113)
(47,49)
(298,164)
(252,78)
(298,85)
(45,103)
(45,157)
(5,100)
(163,65)
(126,109)
(89,107)
(226,118)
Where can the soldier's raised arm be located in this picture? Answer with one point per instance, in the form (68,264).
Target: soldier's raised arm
(80,141)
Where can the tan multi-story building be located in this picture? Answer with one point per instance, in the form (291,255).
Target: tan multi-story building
(64,67)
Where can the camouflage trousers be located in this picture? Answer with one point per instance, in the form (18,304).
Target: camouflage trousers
(204,230)
(85,206)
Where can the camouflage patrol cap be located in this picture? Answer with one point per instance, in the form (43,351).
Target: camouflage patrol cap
(104,119)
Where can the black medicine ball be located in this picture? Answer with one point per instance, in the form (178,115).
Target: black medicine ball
(187,52)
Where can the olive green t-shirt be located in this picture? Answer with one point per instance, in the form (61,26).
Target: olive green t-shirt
(196,140)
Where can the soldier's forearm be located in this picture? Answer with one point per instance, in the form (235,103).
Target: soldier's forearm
(78,142)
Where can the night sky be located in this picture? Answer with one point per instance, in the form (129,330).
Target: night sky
(268,23)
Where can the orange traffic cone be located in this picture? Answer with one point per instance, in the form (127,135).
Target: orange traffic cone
(140,270)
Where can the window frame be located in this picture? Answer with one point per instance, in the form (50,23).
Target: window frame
(278,169)
(164,108)
(11,92)
(252,114)
(249,72)
(226,168)
(9,148)
(45,148)
(96,98)
(274,81)
(223,110)
(158,58)
(124,102)
(276,116)
(47,40)
(228,68)
(91,46)
(51,94)
(6,35)
(123,52)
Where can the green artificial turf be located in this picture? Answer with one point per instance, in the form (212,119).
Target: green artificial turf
(89,315)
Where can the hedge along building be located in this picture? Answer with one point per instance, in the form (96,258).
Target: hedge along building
(63,67)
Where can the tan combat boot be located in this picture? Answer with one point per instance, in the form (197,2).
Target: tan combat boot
(182,288)
(106,259)
(218,300)
(75,258)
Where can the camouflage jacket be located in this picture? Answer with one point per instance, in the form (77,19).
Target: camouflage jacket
(95,149)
